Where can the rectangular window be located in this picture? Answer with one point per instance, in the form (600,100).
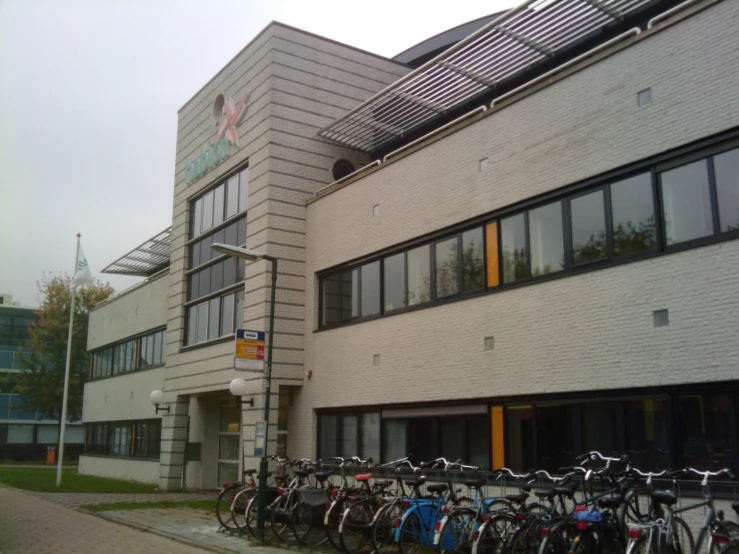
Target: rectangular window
(520,435)
(603,427)
(239,310)
(243,189)
(331,300)
(192,324)
(394,282)
(218,205)
(208,211)
(349,434)
(158,352)
(547,242)
(686,203)
(473,261)
(491,246)
(588,228)
(554,436)
(419,275)
(349,303)
(513,241)
(371,437)
(214,318)
(726,168)
(204,283)
(632,209)
(370,275)
(646,433)
(197,218)
(447,267)
(705,430)
(394,439)
(329,436)
(147,439)
(232,196)
(227,314)
(216,276)
(202,325)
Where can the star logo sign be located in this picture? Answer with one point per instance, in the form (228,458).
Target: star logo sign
(232,116)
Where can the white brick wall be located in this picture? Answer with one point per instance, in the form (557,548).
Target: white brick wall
(587,332)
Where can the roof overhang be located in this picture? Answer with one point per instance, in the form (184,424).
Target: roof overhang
(535,33)
(145,260)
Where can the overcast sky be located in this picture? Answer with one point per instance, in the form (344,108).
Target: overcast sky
(89,93)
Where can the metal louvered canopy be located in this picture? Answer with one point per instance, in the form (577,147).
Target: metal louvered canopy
(533,32)
(146,259)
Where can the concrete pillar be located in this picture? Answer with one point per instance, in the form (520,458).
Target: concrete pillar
(174,438)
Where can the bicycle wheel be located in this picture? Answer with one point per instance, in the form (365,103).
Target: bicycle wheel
(239,505)
(457,534)
(306,522)
(249,523)
(356,527)
(682,537)
(642,546)
(223,506)
(411,539)
(383,531)
(556,541)
(279,517)
(526,539)
(493,535)
(585,542)
(332,521)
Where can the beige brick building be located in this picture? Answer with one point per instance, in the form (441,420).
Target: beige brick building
(553,273)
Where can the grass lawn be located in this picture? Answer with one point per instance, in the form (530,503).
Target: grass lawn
(207,505)
(44,480)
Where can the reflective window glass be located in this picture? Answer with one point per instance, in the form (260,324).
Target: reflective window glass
(239,310)
(218,204)
(513,242)
(241,233)
(331,299)
(588,228)
(158,348)
(243,189)
(646,433)
(349,435)
(229,272)
(204,285)
(554,436)
(240,270)
(329,436)
(394,438)
(602,427)
(726,166)
(194,291)
(394,282)
(473,261)
(447,267)
(520,437)
(195,255)
(370,288)
(216,238)
(633,215)
(202,322)
(371,437)
(232,234)
(705,429)
(546,239)
(232,196)
(208,211)
(686,203)
(419,275)
(214,318)
(216,276)
(197,218)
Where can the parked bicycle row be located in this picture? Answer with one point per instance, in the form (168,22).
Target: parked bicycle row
(601,505)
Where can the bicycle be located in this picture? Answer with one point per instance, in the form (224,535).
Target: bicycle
(226,504)
(246,524)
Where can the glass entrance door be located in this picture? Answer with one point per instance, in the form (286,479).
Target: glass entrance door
(229,435)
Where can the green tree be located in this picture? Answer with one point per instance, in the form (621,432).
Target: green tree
(41,383)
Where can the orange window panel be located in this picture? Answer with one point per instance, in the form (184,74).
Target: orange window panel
(491,242)
(496,426)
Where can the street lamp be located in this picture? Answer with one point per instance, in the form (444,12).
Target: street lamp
(252,256)
(157,397)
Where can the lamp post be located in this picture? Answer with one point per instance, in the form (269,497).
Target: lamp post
(253,255)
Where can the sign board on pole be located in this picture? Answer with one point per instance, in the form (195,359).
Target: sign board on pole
(259,445)
(249,350)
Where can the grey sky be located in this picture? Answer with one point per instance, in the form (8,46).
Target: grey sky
(88,109)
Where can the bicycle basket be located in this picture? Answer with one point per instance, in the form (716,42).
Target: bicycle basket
(313,497)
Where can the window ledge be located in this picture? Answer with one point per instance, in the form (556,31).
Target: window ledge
(211,342)
(124,374)
(118,457)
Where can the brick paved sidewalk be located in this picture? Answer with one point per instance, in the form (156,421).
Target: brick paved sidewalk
(77,499)
(29,524)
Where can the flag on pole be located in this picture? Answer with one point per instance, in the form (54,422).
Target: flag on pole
(83,275)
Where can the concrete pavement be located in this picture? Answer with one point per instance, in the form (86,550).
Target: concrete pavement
(29,524)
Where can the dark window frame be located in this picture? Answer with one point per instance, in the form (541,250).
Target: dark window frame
(705,149)
(104,448)
(98,366)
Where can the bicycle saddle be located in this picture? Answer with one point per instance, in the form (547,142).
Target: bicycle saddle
(519,498)
(667,498)
(613,502)
(323,475)
(304,472)
(475,483)
(437,488)
(545,493)
(415,483)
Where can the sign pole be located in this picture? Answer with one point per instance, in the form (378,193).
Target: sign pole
(63,420)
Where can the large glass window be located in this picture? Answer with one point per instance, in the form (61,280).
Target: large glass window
(686,202)
(130,355)
(394,439)
(447,267)
(370,294)
(554,437)
(726,168)
(473,260)
(331,299)
(394,282)
(513,243)
(705,430)
(545,236)
(588,228)
(419,275)
(602,427)
(646,433)
(520,437)
(350,435)
(632,209)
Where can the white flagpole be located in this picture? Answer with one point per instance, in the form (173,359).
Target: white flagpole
(63,421)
